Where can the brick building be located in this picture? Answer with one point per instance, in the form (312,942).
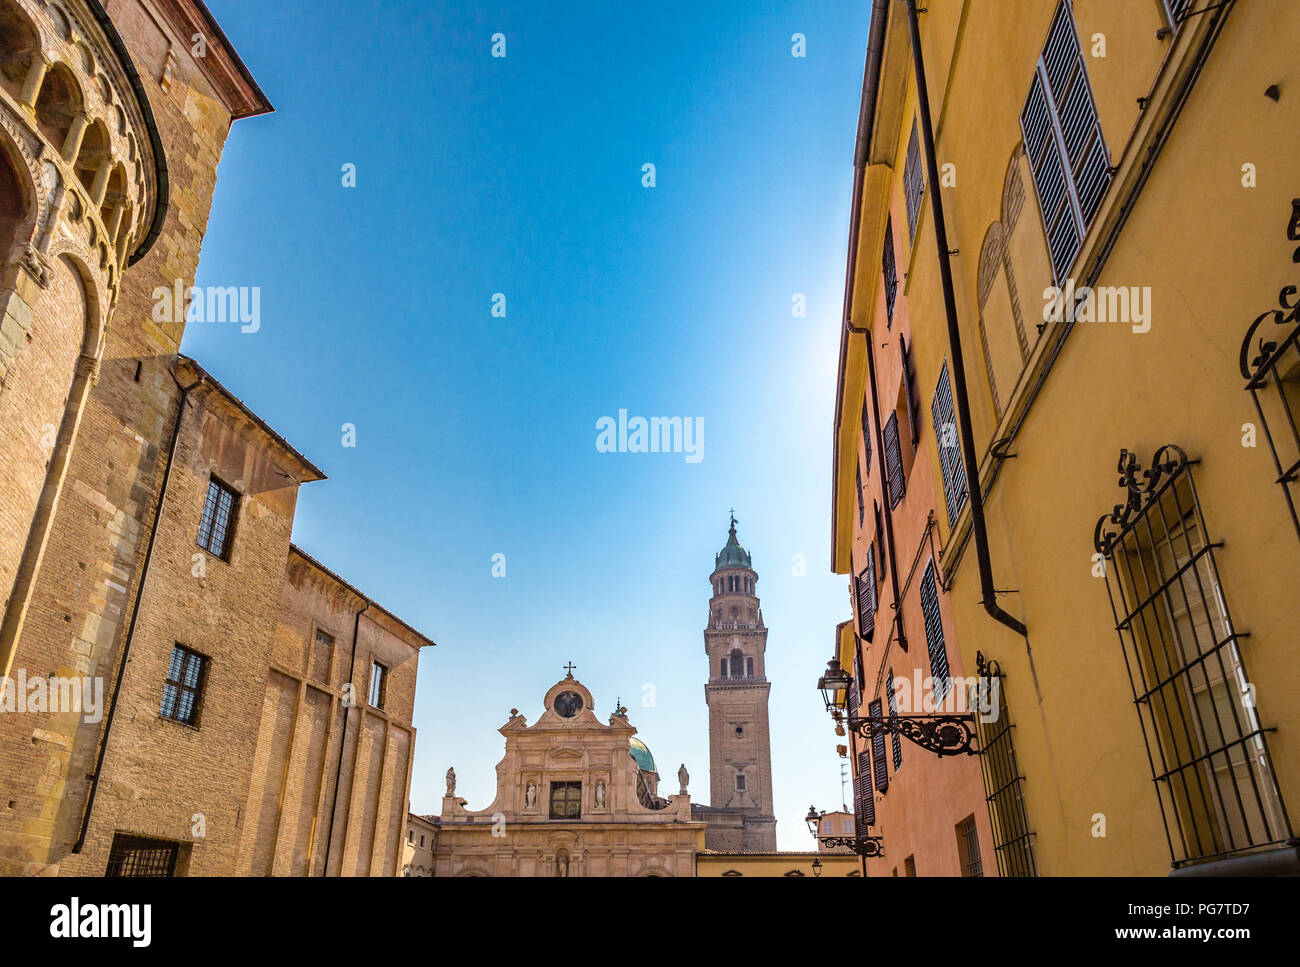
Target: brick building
(254,710)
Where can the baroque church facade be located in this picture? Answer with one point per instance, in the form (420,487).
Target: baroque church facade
(578,796)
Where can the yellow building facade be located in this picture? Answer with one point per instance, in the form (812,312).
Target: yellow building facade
(1115,179)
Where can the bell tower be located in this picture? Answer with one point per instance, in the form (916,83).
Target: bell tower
(740,813)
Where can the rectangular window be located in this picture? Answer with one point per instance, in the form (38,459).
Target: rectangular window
(951,465)
(968,848)
(740,782)
(875,711)
(183,687)
(139,856)
(880,542)
(749,668)
(889,269)
(217,525)
(1064,144)
(378,684)
(895,485)
(934,634)
(909,866)
(410,836)
(866,591)
(862,511)
(1210,760)
(566,800)
(909,390)
(864,796)
(1008,817)
(892,700)
(866,437)
(913,181)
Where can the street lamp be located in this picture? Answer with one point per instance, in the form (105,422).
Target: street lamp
(835,680)
(814,820)
(817,866)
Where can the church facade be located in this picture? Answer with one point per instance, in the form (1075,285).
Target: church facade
(575,797)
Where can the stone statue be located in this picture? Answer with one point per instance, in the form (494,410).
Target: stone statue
(562,865)
(684,778)
(451,781)
(600,794)
(530,797)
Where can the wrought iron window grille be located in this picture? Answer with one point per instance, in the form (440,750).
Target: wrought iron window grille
(1003,792)
(1270,364)
(1207,750)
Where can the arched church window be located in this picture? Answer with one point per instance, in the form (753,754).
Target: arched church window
(737,665)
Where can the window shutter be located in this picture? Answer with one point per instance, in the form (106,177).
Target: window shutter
(893,717)
(866,435)
(889,270)
(895,484)
(864,800)
(913,182)
(866,592)
(945,434)
(934,633)
(853,700)
(909,390)
(1064,143)
(878,748)
(880,537)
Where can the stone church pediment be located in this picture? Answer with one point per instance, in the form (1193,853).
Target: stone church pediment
(565,752)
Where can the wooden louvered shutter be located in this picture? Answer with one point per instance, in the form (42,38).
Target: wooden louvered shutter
(866,592)
(866,436)
(881,770)
(893,717)
(945,434)
(864,796)
(895,484)
(913,181)
(934,633)
(1064,143)
(889,270)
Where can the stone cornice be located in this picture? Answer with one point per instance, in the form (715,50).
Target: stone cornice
(221,64)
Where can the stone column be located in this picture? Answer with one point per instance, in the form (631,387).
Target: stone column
(32,82)
(72,143)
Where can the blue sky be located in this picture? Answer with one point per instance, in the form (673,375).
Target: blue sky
(475,435)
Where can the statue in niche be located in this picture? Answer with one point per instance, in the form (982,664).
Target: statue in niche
(562,865)
(684,778)
(530,796)
(600,793)
(451,781)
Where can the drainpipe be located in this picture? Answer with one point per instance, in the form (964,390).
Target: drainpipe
(135,613)
(973,492)
(338,772)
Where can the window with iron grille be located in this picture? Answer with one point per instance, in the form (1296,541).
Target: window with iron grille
(934,633)
(864,796)
(909,390)
(1064,143)
(1213,773)
(140,856)
(913,182)
(866,437)
(183,688)
(945,434)
(895,485)
(866,592)
(1270,364)
(875,711)
(889,270)
(892,701)
(566,800)
(216,526)
(1003,792)
(968,848)
(862,510)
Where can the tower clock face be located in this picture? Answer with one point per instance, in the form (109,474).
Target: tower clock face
(567,704)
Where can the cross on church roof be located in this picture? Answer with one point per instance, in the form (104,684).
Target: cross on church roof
(569,668)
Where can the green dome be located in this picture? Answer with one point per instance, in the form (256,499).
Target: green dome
(732,555)
(641,753)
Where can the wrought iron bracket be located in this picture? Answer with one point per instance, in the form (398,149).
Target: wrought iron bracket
(952,734)
(862,845)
